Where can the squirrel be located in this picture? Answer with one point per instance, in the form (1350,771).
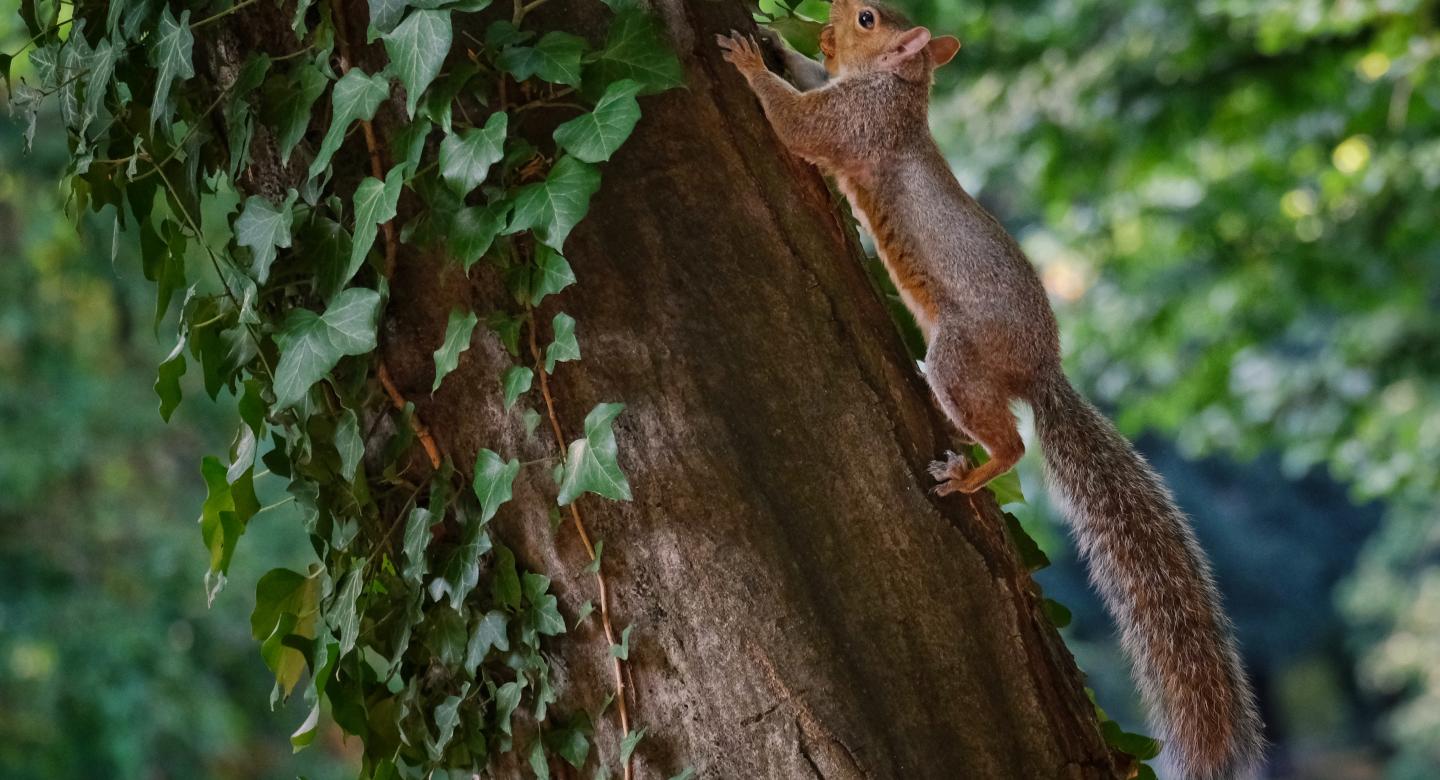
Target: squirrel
(992,338)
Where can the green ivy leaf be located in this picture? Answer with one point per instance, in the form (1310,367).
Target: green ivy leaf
(627,745)
(343,616)
(170,54)
(635,48)
(570,744)
(385,14)
(489,632)
(565,347)
(552,274)
(539,764)
(461,570)
(228,507)
(289,104)
(552,208)
(311,344)
(593,137)
(505,580)
(591,465)
(356,96)
(516,381)
(555,58)
(622,650)
(167,383)
(278,594)
(375,204)
(447,719)
(263,228)
(473,231)
(543,617)
(507,698)
(417,540)
(417,49)
(350,444)
(465,158)
(457,340)
(492,483)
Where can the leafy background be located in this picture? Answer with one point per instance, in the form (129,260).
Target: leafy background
(1232,203)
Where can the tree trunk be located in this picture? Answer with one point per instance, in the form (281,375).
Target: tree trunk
(802,606)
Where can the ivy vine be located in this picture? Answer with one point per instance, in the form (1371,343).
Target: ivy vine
(415,629)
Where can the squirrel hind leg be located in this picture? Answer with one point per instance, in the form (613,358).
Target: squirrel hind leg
(975,400)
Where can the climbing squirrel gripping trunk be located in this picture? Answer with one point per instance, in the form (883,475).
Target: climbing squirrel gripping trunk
(992,338)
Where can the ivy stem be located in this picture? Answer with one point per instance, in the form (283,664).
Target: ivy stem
(222,14)
(377,168)
(604,591)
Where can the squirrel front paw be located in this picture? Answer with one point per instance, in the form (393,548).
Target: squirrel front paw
(742,52)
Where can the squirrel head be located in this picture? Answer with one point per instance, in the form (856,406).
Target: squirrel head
(865,36)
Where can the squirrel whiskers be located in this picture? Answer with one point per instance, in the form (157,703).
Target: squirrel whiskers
(992,339)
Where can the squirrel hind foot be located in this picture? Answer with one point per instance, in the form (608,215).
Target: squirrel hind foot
(952,473)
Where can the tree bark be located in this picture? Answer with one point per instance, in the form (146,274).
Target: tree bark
(801,605)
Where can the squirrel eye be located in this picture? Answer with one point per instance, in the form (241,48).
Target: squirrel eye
(867,19)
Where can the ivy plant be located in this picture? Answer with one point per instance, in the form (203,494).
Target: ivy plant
(414,629)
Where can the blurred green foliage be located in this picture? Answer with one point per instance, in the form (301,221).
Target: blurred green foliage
(1234,203)
(110,663)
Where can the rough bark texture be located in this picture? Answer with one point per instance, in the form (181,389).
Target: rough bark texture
(802,606)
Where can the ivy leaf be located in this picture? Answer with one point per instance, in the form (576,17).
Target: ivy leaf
(505,580)
(167,383)
(552,208)
(349,444)
(627,745)
(447,718)
(552,274)
(457,340)
(516,381)
(286,602)
(356,96)
(417,539)
(565,347)
(591,465)
(489,632)
(465,158)
(543,617)
(289,104)
(593,137)
(493,480)
(622,650)
(228,507)
(461,571)
(311,344)
(635,48)
(264,228)
(473,231)
(344,617)
(417,50)
(375,203)
(507,698)
(385,14)
(555,58)
(170,54)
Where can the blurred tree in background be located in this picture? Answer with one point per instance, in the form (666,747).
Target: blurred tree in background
(110,663)
(1234,202)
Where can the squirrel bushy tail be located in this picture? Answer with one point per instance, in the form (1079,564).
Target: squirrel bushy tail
(1155,581)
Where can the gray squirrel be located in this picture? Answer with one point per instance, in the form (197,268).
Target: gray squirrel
(992,338)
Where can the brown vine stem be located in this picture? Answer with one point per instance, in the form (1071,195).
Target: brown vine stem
(377,169)
(604,592)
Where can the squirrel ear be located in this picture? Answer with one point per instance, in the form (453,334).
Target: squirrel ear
(827,41)
(942,49)
(906,45)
